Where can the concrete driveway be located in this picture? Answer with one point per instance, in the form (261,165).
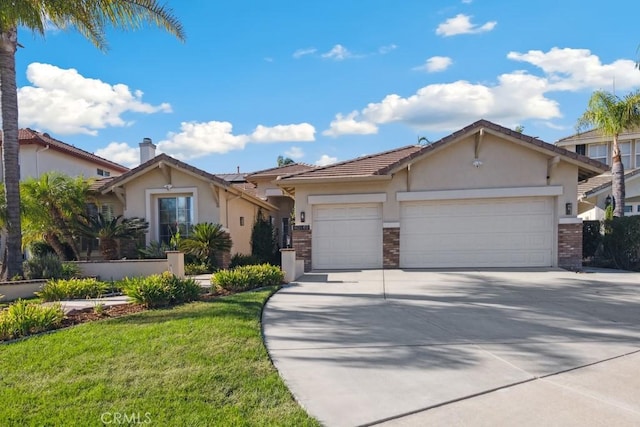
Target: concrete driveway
(466,348)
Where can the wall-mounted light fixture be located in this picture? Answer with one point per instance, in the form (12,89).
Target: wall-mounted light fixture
(241,221)
(568,208)
(608,201)
(302,216)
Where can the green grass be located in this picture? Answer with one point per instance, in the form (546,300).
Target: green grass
(200,364)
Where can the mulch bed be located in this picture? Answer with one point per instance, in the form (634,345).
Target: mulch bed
(90,314)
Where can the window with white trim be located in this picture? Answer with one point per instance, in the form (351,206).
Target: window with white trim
(598,152)
(637,144)
(628,208)
(625,154)
(102,172)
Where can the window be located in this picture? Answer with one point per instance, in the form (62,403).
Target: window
(102,172)
(637,164)
(175,215)
(625,154)
(628,208)
(598,152)
(581,149)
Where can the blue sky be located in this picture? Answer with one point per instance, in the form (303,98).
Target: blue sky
(325,81)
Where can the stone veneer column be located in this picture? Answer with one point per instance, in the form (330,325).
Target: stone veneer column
(570,246)
(391,247)
(301,241)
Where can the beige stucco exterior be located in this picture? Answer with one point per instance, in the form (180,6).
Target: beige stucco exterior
(211,201)
(504,164)
(36,160)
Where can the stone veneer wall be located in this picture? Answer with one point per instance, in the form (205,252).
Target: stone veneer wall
(391,247)
(302,245)
(570,246)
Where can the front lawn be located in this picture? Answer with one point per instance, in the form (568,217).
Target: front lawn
(200,364)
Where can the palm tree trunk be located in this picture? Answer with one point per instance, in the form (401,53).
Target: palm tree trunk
(10,148)
(617,179)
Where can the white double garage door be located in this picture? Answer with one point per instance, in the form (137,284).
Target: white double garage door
(504,232)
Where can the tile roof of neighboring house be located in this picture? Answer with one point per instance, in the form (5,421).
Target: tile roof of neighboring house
(97,184)
(247,187)
(289,169)
(390,161)
(30,136)
(232,177)
(592,186)
(594,134)
(164,158)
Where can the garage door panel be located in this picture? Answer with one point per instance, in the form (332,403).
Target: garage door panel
(347,236)
(516,232)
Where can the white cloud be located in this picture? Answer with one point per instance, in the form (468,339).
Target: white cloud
(435,64)
(326,160)
(284,133)
(575,69)
(294,153)
(303,52)
(514,98)
(338,53)
(120,152)
(197,139)
(461,24)
(65,102)
(348,125)
(383,50)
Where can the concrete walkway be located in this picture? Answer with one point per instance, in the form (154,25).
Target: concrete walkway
(460,347)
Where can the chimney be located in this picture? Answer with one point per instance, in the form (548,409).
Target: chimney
(147,150)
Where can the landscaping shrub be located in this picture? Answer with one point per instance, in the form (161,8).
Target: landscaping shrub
(46,266)
(263,241)
(238,260)
(621,241)
(70,270)
(591,238)
(192,269)
(248,277)
(56,290)
(23,318)
(155,250)
(160,290)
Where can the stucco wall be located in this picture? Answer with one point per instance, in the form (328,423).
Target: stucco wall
(142,196)
(36,160)
(504,164)
(241,234)
(116,270)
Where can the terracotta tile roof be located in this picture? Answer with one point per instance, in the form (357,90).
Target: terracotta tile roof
(601,182)
(247,187)
(97,184)
(273,173)
(389,161)
(30,136)
(374,164)
(232,177)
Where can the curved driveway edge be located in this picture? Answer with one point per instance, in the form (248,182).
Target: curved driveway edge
(358,348)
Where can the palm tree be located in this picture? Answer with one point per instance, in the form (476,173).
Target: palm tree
(205,241)
(109,230)
(90,18)
(51,205)
(612,115)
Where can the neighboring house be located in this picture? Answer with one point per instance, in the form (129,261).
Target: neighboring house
(40,153)
(173,195)
(593,193)
(485,196)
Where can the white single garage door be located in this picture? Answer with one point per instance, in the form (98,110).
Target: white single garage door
(347,236)
(507,232)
